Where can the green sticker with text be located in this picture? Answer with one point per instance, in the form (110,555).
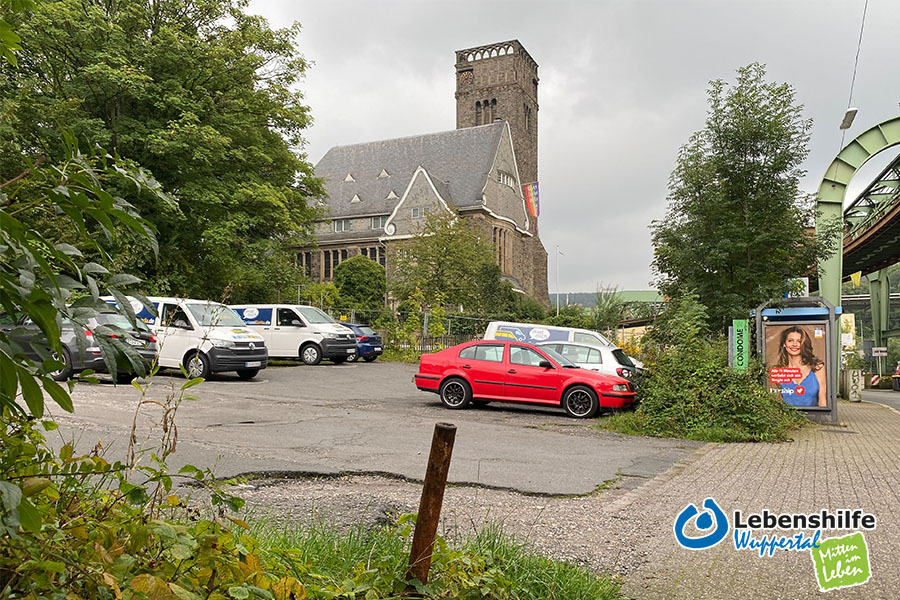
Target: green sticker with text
(842,562)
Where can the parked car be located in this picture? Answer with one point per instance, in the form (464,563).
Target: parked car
(603,359)
(536,333)
(504,371)
(293,331)
(368,343)
(202,336)
(28,336)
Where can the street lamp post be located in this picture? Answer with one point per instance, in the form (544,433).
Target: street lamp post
(558,253)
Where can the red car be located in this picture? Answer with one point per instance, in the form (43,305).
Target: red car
(505,371)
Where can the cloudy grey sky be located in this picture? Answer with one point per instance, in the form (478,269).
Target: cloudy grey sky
(623,86)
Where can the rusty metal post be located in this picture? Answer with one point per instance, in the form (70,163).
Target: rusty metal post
(432,499)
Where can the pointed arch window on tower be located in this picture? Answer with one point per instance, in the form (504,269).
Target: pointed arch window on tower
(478,117)
(493,110)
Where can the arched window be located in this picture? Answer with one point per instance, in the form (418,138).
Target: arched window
(493,110)
(478,117)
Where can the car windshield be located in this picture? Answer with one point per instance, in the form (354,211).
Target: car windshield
(313,315)
(559,358)
(215,315)
(622,358)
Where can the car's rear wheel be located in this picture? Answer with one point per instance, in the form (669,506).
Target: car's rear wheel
(369,358)
(310,354)
(197,365)
(580,402)
(352,357)
(65,372)
(455,393)
(247,373)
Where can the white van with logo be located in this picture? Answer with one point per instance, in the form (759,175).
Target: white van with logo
(293,330)
(203,336)
(535,334)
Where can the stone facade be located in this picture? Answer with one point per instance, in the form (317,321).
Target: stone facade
(379,192)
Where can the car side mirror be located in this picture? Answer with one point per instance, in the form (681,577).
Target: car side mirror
(545,364)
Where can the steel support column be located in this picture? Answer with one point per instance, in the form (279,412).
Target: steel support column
(879,294)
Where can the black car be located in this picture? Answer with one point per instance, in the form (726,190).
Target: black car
(28,336)
(368,343)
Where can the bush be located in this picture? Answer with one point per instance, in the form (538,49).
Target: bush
(691,392)
(694,394)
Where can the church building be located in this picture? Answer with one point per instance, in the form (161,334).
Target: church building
(379,192)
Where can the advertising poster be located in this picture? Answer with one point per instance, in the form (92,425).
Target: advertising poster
(796,360)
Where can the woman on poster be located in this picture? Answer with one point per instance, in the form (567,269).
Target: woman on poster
(795,351)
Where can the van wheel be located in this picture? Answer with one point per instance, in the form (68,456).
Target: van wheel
(247,373)
(310,354)
(197,365)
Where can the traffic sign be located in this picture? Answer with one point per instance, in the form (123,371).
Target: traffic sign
(879,351)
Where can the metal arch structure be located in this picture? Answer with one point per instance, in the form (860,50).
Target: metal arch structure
(830,198)
(872,224)
(871,237)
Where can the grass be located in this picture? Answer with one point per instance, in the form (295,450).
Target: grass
(372,563)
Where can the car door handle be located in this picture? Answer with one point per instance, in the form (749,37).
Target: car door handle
(511,371)
(467,366)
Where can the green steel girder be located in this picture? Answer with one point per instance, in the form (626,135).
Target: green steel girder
(830,198)
(879,198)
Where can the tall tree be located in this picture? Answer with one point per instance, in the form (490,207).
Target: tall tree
(362,281)
(737,224)
(443,258)
(204,96)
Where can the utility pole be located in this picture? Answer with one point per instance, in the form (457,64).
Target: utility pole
(557,278)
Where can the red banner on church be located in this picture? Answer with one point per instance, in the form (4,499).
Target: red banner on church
(532,199)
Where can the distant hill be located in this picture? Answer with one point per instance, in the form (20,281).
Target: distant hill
(588,299)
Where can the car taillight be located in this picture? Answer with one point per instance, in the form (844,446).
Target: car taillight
(153,338)
(88,333)
(623,373)
(363,338)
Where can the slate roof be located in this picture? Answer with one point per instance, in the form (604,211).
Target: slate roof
(461,158)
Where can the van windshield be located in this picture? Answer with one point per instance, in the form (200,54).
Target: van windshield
(314,316)
(215,315)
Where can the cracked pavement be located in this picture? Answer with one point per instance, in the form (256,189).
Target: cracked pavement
(363,418)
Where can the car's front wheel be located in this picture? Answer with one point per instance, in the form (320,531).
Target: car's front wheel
(455,393)
(197,365)
(310,354)
(580,402)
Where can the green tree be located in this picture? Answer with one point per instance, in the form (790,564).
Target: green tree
(361,280)
(608,310)
(442,258)
(204,96)
(737,224)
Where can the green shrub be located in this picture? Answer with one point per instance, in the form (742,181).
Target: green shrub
(691,392)
(695,394)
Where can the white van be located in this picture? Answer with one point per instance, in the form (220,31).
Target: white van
(293,331)
(536,334)
(533,334)
(203,336)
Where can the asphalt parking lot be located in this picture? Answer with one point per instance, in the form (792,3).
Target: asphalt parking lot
(361,418)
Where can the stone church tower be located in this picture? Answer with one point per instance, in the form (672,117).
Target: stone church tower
(499,82)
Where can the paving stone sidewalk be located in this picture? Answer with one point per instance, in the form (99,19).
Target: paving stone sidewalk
(854,465)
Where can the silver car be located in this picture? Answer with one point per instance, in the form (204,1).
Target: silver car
(603,359)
